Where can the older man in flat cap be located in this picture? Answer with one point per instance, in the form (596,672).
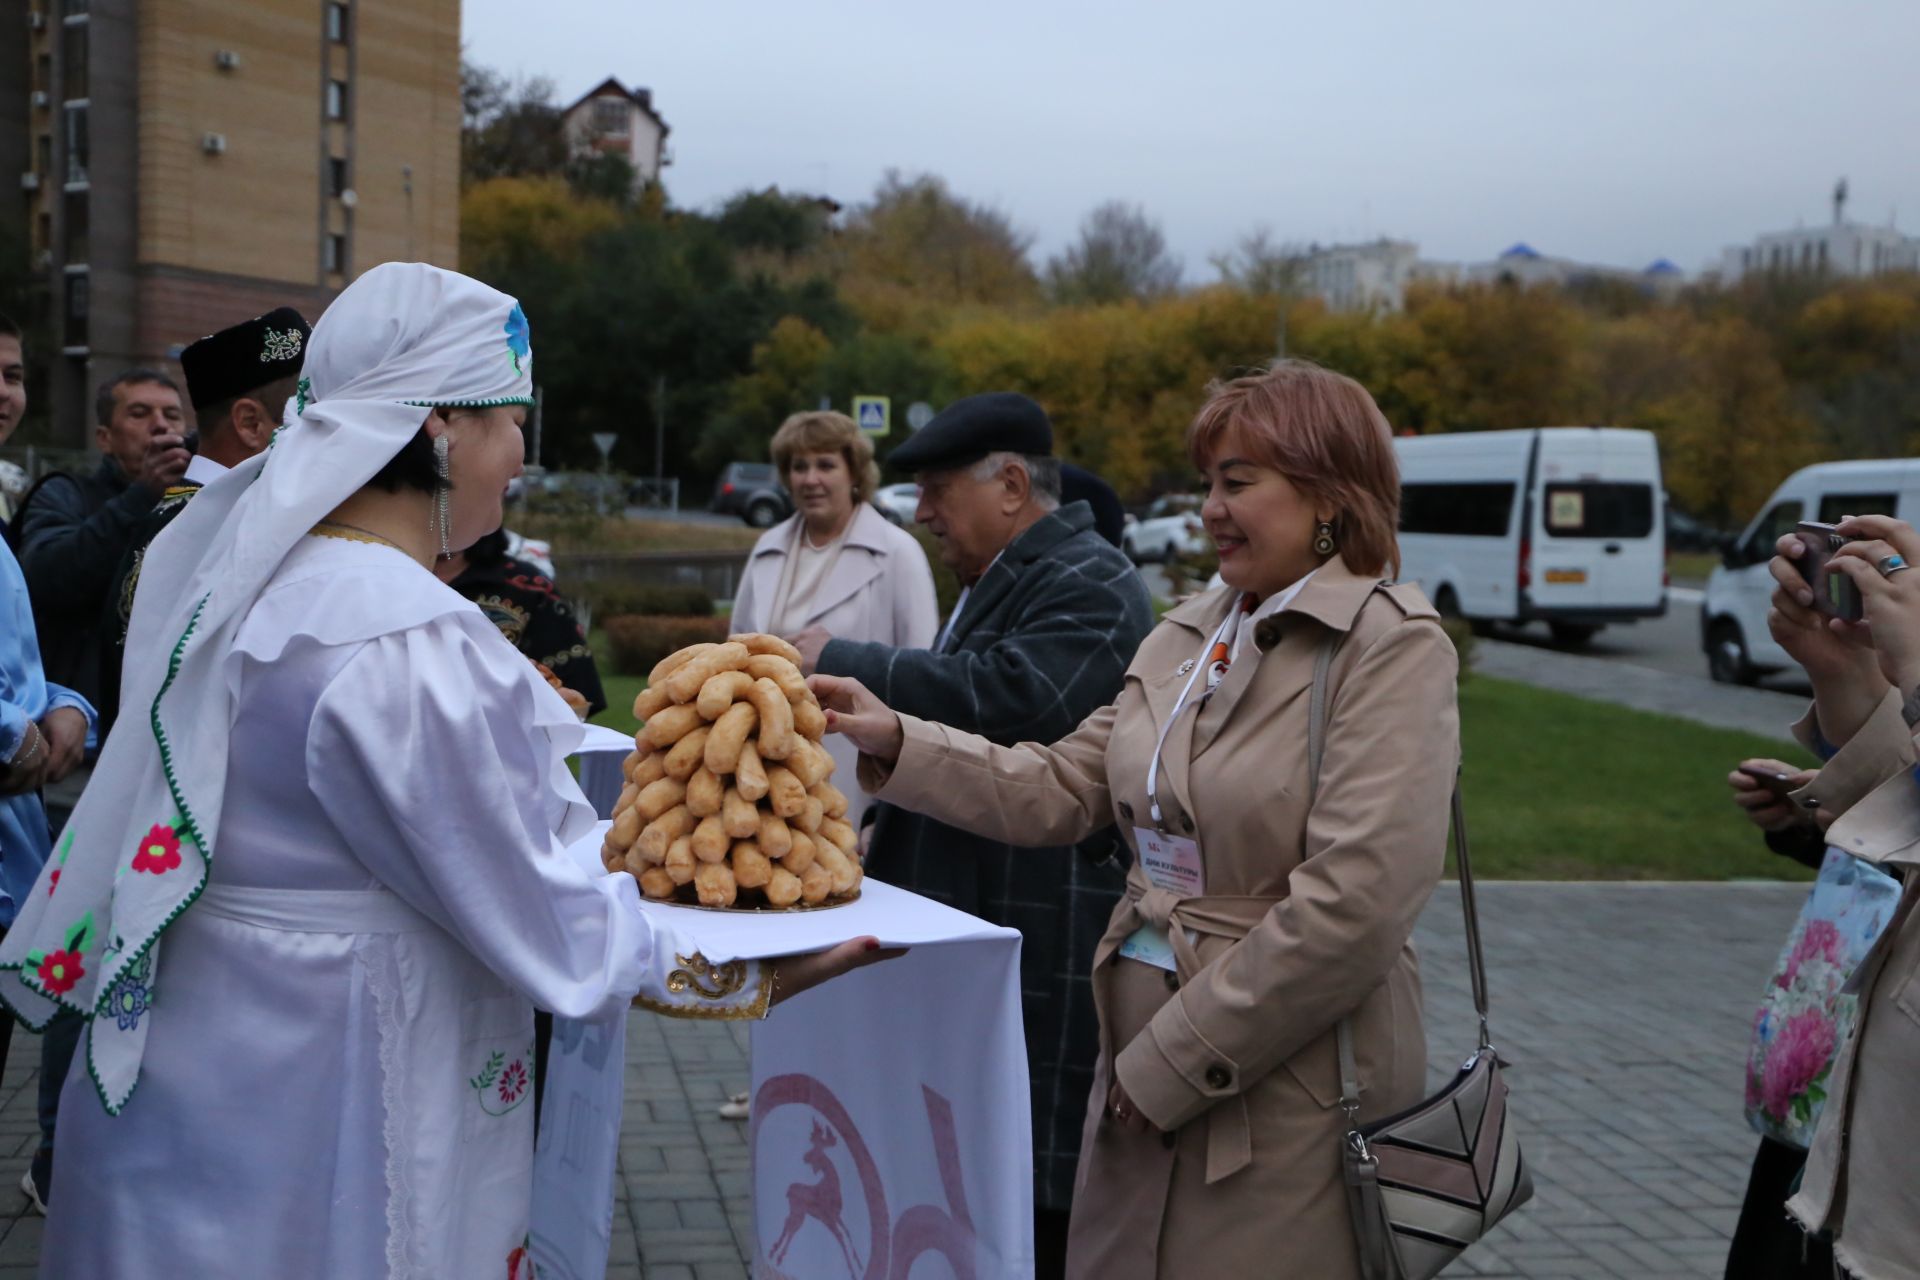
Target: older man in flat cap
(1049,619)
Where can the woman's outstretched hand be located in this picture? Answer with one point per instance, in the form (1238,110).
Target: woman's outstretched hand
(794,974)
(860,717)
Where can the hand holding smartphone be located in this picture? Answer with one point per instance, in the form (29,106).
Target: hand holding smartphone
(1834,594)
(1779,784)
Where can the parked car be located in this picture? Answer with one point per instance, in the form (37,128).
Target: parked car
(898,502)
(1684,533)
(752,491)
(1171,527)
(1733,615)
(535,551)
(1560,525)
(591,486)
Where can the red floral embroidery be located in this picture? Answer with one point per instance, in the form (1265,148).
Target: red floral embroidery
(60,971)
(516,1260)
(513,1081)
(53,882)
(159,850)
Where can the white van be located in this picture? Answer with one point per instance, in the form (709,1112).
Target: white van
(1562,525)
(1733,617)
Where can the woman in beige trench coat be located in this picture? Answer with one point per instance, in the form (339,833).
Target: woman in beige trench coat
(1217,1150)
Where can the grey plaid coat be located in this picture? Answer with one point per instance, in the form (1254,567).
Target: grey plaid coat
(1042,642)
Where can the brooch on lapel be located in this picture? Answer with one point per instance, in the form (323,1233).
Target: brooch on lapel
(1185,667)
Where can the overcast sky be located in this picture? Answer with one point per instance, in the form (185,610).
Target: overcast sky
(1616,132)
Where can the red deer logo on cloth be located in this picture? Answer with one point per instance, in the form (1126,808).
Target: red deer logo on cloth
(893,1246)
(819,1199)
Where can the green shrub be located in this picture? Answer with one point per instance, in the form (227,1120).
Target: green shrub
(614,599)
(638,643)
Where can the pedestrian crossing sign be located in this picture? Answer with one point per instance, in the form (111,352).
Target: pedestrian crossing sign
(874,414)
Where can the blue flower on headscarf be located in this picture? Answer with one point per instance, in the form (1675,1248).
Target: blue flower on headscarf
(519,337)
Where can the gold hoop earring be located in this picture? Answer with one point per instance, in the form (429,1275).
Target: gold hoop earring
(1323,544)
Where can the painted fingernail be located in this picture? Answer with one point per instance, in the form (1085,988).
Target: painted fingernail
(873,944)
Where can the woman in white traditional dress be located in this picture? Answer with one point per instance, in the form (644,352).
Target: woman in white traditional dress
(330,1024)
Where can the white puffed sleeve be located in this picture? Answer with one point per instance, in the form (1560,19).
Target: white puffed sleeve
(429,752)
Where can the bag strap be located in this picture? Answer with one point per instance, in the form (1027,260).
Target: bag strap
(1476,964)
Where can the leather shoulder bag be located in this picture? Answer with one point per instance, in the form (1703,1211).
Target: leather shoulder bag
(1426,1183)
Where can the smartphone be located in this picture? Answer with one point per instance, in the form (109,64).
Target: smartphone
(1833,593)
(1780,784)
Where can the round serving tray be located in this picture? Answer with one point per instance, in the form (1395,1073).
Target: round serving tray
(752,911)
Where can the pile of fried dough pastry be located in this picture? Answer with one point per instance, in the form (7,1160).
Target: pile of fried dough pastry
(728,801)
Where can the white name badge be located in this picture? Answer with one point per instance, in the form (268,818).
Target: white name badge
(1170,862)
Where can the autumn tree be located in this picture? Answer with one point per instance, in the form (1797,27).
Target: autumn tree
(916,249)
(508,128)
(1732,432)
(1121,254)
(1258,264)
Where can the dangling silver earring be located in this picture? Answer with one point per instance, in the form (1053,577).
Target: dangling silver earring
(443,484)
(1323,542)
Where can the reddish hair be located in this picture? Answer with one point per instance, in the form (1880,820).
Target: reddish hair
(1323,432)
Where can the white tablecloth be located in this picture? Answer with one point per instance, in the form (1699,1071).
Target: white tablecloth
(890,1116)
(600,759)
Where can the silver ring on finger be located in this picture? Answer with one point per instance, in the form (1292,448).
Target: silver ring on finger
(1890,565)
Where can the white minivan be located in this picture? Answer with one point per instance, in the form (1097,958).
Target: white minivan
(1562,525)
(1733,616)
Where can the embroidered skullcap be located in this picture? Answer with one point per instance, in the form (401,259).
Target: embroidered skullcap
(245,357)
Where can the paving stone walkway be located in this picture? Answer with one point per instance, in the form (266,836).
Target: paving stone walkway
(1624,1008)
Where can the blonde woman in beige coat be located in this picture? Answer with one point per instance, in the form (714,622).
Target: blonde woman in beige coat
(1215,1150)
(836,569)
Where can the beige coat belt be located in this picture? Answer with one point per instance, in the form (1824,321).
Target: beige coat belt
(1229,1130)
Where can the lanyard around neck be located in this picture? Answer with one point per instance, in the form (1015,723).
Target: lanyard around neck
(1213,662)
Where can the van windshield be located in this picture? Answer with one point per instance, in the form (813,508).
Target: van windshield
(1595,509)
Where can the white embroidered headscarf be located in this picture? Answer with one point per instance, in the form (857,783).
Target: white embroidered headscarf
(402,338)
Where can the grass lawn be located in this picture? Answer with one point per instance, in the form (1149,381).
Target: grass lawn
(1559,788)
(620,691)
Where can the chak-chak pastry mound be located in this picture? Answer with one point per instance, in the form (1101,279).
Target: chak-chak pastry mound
(729,802)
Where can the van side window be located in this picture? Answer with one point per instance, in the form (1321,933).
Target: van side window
(1773,526)
(1473,510)
(1593,509)
(1835,507)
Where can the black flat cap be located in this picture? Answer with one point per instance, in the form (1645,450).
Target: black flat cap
(970,429)
(245,357)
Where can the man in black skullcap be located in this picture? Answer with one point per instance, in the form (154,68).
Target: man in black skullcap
(239,381)
(1048,620)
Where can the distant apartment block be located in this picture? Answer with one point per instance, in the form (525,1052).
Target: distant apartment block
(1361,277)
(1842,249)
(613,118)
(191,163)
(1376,275)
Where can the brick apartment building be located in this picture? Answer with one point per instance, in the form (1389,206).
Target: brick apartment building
(189,163)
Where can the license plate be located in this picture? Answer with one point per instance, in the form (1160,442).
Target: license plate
(1566,575)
